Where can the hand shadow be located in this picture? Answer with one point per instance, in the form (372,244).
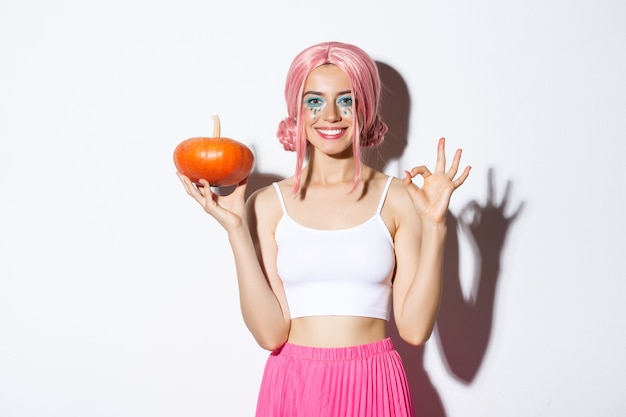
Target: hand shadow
(464,324)
(463,327)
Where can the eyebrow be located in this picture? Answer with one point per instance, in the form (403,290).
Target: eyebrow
(317,93)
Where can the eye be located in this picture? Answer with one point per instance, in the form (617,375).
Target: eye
(314,102)
(345,101)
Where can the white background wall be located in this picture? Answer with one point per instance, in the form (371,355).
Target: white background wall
(117,294)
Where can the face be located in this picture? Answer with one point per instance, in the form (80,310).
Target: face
(327,110)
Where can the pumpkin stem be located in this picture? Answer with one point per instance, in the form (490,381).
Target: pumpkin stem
(216,126)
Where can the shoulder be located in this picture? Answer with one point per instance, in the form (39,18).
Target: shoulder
(397,196)
(267,196)
(264,204)
(399,207)
(376,181)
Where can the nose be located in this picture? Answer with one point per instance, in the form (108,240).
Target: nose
(332,113)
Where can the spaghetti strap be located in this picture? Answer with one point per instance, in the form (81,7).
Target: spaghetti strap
(384,195)
(280,197)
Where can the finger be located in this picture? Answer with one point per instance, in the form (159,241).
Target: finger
(420,170)
(459,181)
(506,195)
(200,191)
(204,188)
(407,181)
(199,187)
(189,187)
(181,177)
(407,178)
(470,214)
(440,167)
(454,168)
(490,188)
(518,211)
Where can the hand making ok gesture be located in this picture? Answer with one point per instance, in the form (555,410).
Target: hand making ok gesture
(431,200)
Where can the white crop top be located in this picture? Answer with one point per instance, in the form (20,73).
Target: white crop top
(345,272)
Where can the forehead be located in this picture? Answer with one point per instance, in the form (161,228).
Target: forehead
(327,79)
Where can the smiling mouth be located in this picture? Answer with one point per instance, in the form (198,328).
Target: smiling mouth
(331,133)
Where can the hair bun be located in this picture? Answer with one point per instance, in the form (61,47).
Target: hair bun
(375,134)
(287,133)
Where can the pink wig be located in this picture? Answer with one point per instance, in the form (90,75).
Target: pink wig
(365,80)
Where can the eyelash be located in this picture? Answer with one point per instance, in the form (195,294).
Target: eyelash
(314,102)
(345,101)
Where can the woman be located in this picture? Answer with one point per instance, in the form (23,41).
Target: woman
(322,256)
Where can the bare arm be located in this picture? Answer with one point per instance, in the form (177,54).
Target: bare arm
(418,280)
(262,296)
(419,241)
(250,234)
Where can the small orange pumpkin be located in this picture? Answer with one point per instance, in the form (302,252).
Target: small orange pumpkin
(219,160)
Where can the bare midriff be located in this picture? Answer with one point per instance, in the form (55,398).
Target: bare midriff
(336,331)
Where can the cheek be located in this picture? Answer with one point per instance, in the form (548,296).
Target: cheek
(310,114)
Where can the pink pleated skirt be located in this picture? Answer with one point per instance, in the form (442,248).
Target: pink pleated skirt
(358,381)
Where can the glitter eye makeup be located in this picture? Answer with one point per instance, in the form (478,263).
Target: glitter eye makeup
(345,103)
(314,104)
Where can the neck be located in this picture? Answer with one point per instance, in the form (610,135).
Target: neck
(327,170)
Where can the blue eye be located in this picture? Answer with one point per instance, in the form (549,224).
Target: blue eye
(345,101)
(314,102)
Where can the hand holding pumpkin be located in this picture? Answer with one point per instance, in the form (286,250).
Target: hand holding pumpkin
(204,162)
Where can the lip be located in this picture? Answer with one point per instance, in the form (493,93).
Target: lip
(330,133)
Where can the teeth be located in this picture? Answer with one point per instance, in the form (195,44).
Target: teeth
(330,131)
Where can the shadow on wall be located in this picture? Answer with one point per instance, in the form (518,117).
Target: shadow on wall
(464,326)
(395,107)
(258,180)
